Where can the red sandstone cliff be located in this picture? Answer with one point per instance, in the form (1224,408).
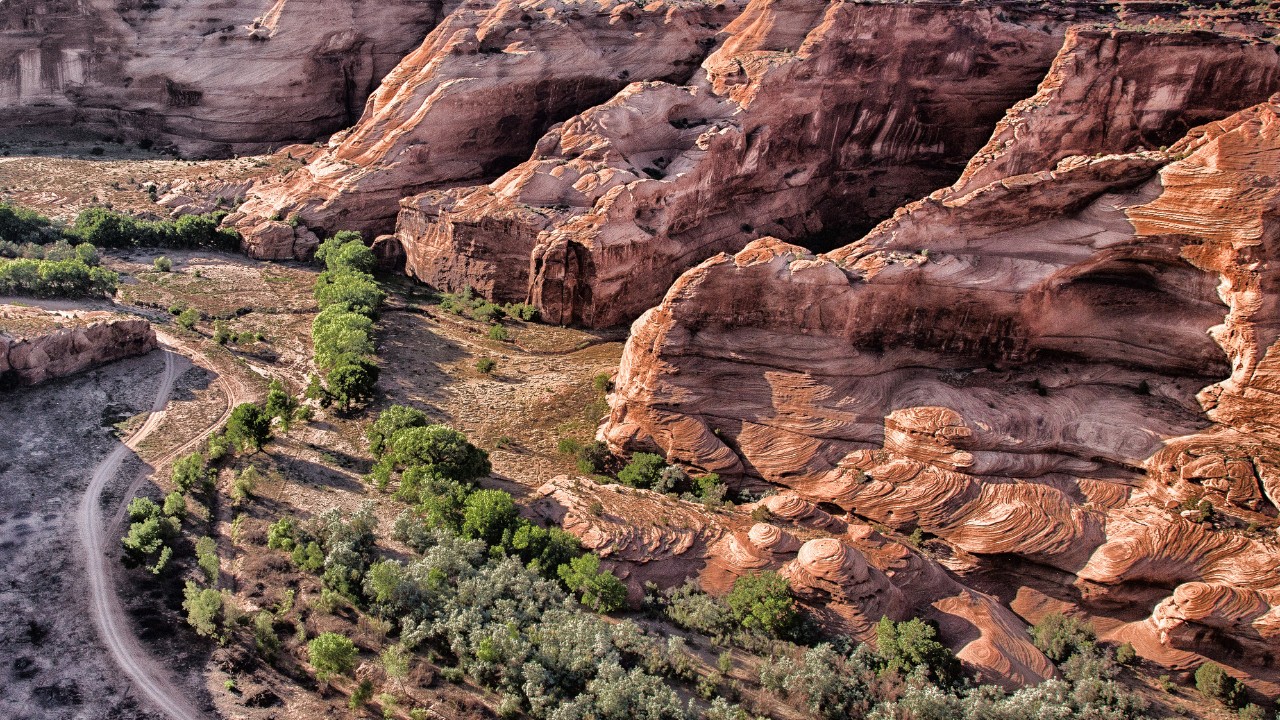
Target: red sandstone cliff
(473,99)
(210,77)
(1041,369)
(807,120)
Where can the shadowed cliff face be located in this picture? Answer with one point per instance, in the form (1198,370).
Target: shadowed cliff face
(1037,367)
(210,77)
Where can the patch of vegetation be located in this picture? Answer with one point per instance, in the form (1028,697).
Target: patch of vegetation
(342,334)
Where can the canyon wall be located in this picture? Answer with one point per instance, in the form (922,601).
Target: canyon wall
(809,120)
(1048,367)
(472,101)
(808,117)
(36,346)
(209,77)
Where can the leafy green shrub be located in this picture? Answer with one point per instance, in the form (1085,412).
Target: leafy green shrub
(441,449)
(1059,636)
(163,264)
(912,646)
(352,382)
(486,365)
(245,483)
(1125,654)
(175,505)
(644,471)
(499,333)
(593,458)
(600,589)
(488,515)
(762,602)
(281,534)
(248,427)
(331,654)
(1213,682)
(207,558)
(149,539)
(188,318)
(391,420)
(522,311)
(203,607)
(189,471)
(355,291)
(568,446)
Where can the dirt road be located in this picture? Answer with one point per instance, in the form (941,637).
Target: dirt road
(108,615)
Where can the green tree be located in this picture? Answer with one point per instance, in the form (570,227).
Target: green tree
(440,448)
(353,256)
(644,471)
(249,426)
(391,420)
(762,602)
(488,515)
(175,505)
(339,335)
(203,608)
(189,471)
(1213,682)
(907,646)
(207,558)
(148,541)
(357,292)
(1059,637)
(331,654)
(352,382)
(601,590)
(280,404)
(188,318)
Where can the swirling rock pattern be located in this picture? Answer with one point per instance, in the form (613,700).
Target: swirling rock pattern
(1047,366)
(474,98)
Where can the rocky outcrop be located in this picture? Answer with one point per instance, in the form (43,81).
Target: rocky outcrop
(847,576)
(473,99)
(1051,366)
(807,122)
(211,78)
(807,117)
(36,346)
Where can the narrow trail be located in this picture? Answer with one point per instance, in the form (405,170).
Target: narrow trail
(151,677)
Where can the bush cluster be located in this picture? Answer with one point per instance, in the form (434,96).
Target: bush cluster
(342,334)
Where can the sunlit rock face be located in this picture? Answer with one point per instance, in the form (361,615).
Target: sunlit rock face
(36,346)
(473,99)
(1045,366)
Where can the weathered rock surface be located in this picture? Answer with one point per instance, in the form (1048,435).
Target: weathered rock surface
(1044,368)
(211,77)
(800,144)
(473,99)
(848,576)
(36,345)
(808,115)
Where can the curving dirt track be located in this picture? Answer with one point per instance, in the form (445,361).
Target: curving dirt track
(109,617)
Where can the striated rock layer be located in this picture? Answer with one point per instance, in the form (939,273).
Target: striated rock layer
(36,346)
(210,77)
(1042,369)
(847,576)
(809,119)
(473,99)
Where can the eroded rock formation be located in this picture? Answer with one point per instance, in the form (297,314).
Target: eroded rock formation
(1048,370)
(806,121)
(36,345)
(208,77)
(473,99)
(848,576)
